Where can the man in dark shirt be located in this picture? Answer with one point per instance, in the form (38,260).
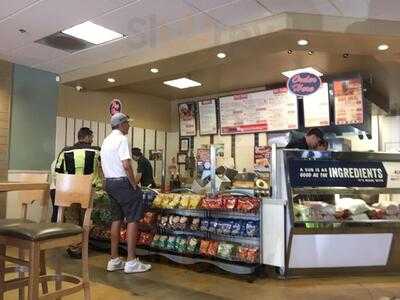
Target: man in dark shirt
(309,142)
(145,170)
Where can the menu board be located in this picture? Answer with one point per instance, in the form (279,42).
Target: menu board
(348,101)
(208,117)
(281,110)
(316,108)
(271,110)
(187,119)
(245,113)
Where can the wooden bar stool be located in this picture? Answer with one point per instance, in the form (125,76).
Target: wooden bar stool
(37,237)
(27,198)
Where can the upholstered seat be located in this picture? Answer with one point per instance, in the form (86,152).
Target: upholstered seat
(10,222)
(40,231)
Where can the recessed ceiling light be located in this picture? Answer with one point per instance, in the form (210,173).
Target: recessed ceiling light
(221,55)
(310,52)
(346,55)
(383,47)
(182,83)
(92,33)
(154,70)
(302,42)
(111,80)
(58,78)
(290,51)
(303,70)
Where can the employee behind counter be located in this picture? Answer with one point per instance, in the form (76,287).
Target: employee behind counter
(313,140)
(144,169)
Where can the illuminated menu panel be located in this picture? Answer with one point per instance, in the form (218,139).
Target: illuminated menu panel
(272,110)
(208,117)
(316,108)
(348,101)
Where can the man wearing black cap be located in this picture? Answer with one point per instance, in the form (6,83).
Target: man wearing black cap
(126,198)
(144,174)
(309,141)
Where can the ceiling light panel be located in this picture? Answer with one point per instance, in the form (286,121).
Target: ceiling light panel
(93,33)
(311,70)
(182,83)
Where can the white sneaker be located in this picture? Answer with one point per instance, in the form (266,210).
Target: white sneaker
(115,264)
(136,266)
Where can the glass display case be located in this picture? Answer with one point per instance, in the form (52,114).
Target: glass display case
(332,210)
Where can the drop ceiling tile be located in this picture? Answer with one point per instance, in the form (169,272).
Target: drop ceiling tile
(35,54)
(208,4)
(8,8)
(239,12)
(104,53)
(49,16)
(373,9)
(145,15)
(192,26)
(322,7)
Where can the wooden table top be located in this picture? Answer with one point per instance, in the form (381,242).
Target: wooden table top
(8,186)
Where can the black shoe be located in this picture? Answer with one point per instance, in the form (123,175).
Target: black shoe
(74,254)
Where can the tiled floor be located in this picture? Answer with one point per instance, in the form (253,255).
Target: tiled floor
(169,281)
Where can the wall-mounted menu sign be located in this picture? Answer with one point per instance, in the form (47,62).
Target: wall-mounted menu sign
(272,110)
(187,119)
(348,101)
(281,110)
(316,108)
(245,113)
(208,117)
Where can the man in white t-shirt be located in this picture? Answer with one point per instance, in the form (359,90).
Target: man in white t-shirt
(125,196)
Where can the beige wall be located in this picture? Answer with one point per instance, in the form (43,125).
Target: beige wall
(147,111)
(5,108)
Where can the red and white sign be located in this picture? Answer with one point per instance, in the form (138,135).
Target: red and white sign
(115,107)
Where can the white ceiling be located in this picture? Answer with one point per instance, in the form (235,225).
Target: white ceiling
(147,23)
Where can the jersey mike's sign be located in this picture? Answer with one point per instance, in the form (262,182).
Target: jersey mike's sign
(304,173)
(303,84)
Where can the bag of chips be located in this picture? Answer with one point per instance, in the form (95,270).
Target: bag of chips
(173,222)
(184,202)
(163,222)
(195,225)
(204,247)
(162,242)
(213,248)
(225,250)
(155,241)
(251,229)
(180,245)
(193,245)
(183,223)
(194,201)
(170,245)
(213,225)
(236,227)
(253,255)
(204,225)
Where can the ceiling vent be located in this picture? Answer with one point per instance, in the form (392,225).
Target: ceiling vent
(65,42)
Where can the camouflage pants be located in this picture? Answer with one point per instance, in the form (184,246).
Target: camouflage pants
(75,215)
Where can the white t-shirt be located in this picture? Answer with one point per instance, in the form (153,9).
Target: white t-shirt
(114,150)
